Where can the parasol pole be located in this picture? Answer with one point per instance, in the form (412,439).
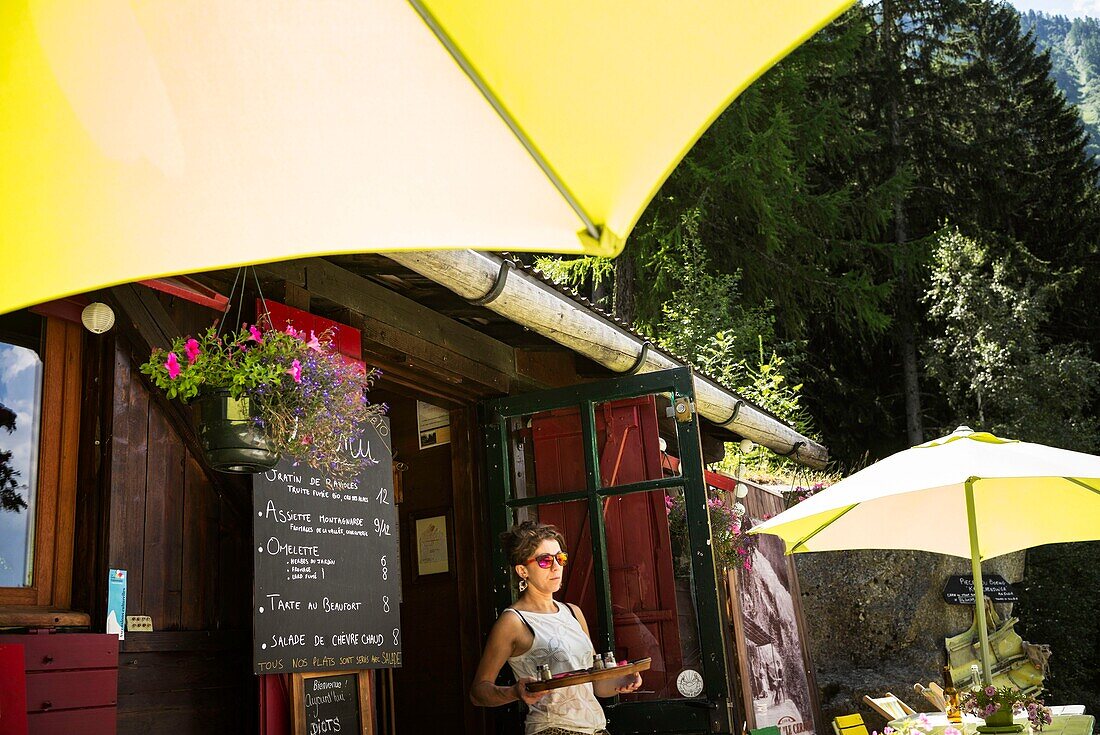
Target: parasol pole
(979,591)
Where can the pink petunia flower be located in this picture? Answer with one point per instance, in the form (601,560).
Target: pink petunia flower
(990,691)
(291,330)
(256,334)
(173,365)
(313,344)
(951,731)
(295,371)
(191,349)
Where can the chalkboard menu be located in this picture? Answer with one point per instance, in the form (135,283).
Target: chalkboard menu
(331,704)
(327,580)
(959,589)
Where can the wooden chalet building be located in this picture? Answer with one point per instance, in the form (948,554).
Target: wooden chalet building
(545,396)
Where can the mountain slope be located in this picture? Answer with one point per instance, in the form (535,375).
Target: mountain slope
(1074,47)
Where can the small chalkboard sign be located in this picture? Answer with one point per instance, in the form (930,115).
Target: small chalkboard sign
(959,589)
(326,581)
(331,702)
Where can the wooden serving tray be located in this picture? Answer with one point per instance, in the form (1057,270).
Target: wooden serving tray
(585,676)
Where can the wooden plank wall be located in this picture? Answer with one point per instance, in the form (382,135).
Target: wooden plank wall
(183,537)
(185,682)
(431,657)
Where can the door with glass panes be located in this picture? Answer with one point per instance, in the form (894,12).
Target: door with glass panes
(592,459)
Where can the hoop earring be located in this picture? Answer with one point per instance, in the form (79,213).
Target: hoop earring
(522,585)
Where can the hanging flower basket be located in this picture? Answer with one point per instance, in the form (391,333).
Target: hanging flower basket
(262,393)
(231,439)
(730,540)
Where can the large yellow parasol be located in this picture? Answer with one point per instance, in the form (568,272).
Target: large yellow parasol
(969,494)
(144,139)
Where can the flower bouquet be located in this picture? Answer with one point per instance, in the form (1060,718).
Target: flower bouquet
(273,393)
(997,705)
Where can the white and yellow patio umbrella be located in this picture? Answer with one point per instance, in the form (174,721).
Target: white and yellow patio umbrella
(141,139)
(969,494)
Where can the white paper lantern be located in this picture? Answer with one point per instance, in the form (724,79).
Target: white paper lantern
(97,317)
(738,509)
(746,446)
(742,490)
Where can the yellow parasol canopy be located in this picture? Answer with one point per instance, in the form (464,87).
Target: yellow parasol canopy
(145,139)
(969,494)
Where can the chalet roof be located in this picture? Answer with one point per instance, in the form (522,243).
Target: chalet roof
(530,318)
(482,280)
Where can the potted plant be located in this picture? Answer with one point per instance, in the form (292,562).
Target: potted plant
(997,705)
(261,393)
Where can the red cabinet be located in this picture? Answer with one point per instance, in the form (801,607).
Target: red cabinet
(71,682)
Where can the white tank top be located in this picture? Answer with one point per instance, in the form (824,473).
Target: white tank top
(561,642)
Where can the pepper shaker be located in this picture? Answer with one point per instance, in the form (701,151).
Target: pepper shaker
(597,661)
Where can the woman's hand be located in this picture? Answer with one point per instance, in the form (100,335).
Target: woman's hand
(628,684)
(520,690)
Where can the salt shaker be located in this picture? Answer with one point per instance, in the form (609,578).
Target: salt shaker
(609,660)
(544,672)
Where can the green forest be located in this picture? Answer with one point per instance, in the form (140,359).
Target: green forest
(891,233)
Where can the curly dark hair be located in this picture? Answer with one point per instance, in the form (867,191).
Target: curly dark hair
(520,541)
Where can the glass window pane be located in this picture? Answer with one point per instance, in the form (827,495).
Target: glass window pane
(578,585)
(547,454)
(651,595)
(547,451)
(633,436)
(20,415)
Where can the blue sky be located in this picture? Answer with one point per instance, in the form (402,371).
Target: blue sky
(1071,8)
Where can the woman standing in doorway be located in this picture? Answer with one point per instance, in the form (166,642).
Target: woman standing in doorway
(537,630)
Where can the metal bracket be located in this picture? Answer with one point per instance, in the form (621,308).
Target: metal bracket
(498,285)
(683,410)
(633,369)
(792,450)
(736,409)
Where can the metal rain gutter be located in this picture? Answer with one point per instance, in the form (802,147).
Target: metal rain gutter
(524,299)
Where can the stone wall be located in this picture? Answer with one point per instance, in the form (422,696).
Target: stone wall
(876,621)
